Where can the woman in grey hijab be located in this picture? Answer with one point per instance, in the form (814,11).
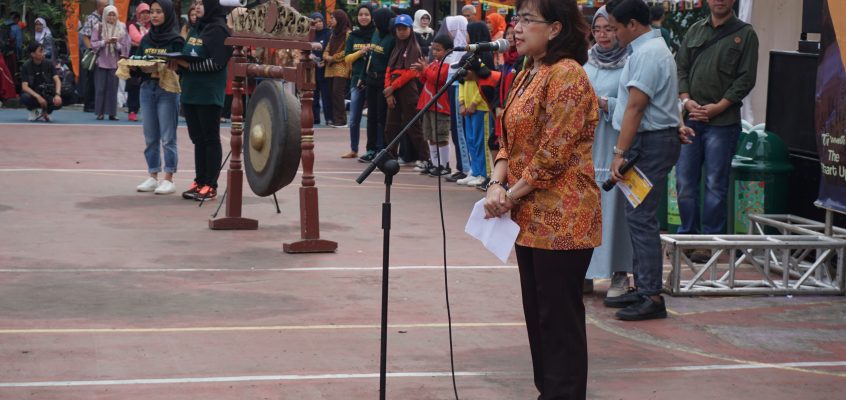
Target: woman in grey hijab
(605,64)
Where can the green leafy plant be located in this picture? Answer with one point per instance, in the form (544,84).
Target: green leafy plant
(678,22)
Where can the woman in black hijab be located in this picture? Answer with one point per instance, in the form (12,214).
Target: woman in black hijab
(381,46)
(203,87)
(160,108)
(478,32)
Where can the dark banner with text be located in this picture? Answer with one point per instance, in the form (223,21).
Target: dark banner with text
(831,107)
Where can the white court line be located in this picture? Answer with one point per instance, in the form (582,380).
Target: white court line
(242,379)
(299,172)
(209,329)
(64,125)
(292,269)
(259,378)
(719,367)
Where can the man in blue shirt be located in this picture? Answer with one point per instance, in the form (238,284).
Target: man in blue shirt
(15,33)
(647,116)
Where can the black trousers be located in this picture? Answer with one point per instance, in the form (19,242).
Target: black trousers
(30,103)
(377,113)
(89,90)
(338,87)
(203,122)
(133,91)
(415,148)
(551,282)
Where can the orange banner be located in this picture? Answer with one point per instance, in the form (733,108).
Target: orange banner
(72,22)
(123,9)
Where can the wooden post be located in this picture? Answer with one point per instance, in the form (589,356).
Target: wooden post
(310,241)
(235,176)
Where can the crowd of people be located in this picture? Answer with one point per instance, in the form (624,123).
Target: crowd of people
(539,127)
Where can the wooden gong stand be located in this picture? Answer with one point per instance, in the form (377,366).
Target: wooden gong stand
(303,77)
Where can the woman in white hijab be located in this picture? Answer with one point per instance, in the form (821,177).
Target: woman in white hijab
(423,31)
(456,28)
(44,36)
(111,42)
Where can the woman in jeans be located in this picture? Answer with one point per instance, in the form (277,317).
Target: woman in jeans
(161,107)
(111,42)
(357,48)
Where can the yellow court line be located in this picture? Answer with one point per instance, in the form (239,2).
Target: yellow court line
(255,328)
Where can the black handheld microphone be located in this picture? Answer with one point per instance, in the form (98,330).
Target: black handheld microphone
(608,185)
(497,46)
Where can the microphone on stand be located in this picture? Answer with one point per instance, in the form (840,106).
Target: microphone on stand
(497,46)
(608,185)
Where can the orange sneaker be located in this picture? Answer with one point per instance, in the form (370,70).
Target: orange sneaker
(191,192)
(206,193)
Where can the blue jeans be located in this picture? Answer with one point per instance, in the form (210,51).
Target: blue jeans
(357,97)
(659,151)
(713,147)
(160,111)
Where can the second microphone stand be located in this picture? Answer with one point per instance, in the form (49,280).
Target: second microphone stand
(390,167)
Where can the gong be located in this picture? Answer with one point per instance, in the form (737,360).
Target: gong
(271,138)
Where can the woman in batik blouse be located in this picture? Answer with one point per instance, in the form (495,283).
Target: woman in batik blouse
(543,176)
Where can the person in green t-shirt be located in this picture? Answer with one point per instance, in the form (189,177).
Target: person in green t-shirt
(203,86)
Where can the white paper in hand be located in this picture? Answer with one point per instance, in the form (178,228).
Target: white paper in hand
(496,234)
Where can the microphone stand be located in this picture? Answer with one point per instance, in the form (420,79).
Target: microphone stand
(390,167)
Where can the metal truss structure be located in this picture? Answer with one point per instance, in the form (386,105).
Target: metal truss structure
(803,257)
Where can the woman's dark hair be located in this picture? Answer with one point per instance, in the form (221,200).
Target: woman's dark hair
(572,41)
(656,12)
(627,10)
(443,40)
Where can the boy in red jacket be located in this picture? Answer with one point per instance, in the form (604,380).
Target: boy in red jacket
(436,120)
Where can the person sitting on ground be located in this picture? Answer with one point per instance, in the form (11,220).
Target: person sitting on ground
(38,95)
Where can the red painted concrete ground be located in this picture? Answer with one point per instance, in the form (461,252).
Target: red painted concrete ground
(106,293)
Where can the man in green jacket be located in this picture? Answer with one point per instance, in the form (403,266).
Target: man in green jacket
(717,64)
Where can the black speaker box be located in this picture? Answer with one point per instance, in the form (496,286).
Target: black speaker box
(791,98)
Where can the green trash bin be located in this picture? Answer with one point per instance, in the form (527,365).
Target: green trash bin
(759,175)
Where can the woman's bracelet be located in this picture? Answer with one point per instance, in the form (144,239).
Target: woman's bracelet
(510,196)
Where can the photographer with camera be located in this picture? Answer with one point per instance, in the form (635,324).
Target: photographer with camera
(41,87)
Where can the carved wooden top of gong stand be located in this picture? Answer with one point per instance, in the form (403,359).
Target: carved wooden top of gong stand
(274,25)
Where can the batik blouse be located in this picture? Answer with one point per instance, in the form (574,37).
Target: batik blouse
(549,121)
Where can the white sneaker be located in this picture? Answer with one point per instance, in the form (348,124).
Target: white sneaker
(466,179)
(33,115)
(165,187)
(476,181)
(149,185)
(619,285)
